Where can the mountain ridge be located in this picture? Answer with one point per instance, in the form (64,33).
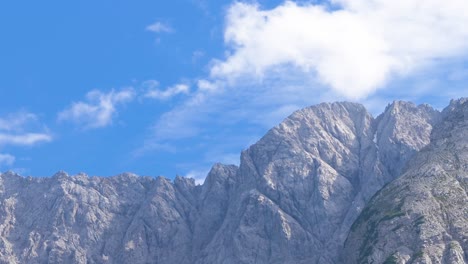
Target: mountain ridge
(292,199)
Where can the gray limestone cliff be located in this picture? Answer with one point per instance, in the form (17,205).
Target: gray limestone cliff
(293,199)
(303,184)
(422,217)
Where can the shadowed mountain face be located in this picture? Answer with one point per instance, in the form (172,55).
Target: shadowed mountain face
(293,199)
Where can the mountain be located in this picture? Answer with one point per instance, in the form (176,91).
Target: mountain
(422,217)
(294,198)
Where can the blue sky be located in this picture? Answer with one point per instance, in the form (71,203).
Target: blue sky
(170,87)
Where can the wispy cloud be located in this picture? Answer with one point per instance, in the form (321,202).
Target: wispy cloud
(6,160)
(160,27)
(215,105)
(15,129)
(27,139)
(21,129)
(16,121)
(98,110)
(168,93)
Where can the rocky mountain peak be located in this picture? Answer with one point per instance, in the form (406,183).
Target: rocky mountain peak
(401,130)
(293,199)
(421,217)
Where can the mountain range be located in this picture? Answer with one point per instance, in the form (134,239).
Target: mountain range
(330,184)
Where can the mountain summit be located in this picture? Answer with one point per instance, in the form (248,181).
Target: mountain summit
(422,217)
(330,184)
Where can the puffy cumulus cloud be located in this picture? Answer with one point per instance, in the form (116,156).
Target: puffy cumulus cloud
(168,93)
(98,110)
(354,47)
(287,58)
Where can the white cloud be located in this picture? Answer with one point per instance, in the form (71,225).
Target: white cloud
(204,85)
(168,93)
(6,160)
(17,121)
(285,58)
(293,56)
(354,49)
(159,27)
(99,108)
(15,129)
(27,139)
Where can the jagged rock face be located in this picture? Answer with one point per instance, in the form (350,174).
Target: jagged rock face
(293,198)
(402,130)
(306,181)
(122,219)
(422,217)
(213,203)
(92,220)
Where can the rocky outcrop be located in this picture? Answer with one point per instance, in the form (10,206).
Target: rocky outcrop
(83,219)
(422,217)
(302,185)
(293,199)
